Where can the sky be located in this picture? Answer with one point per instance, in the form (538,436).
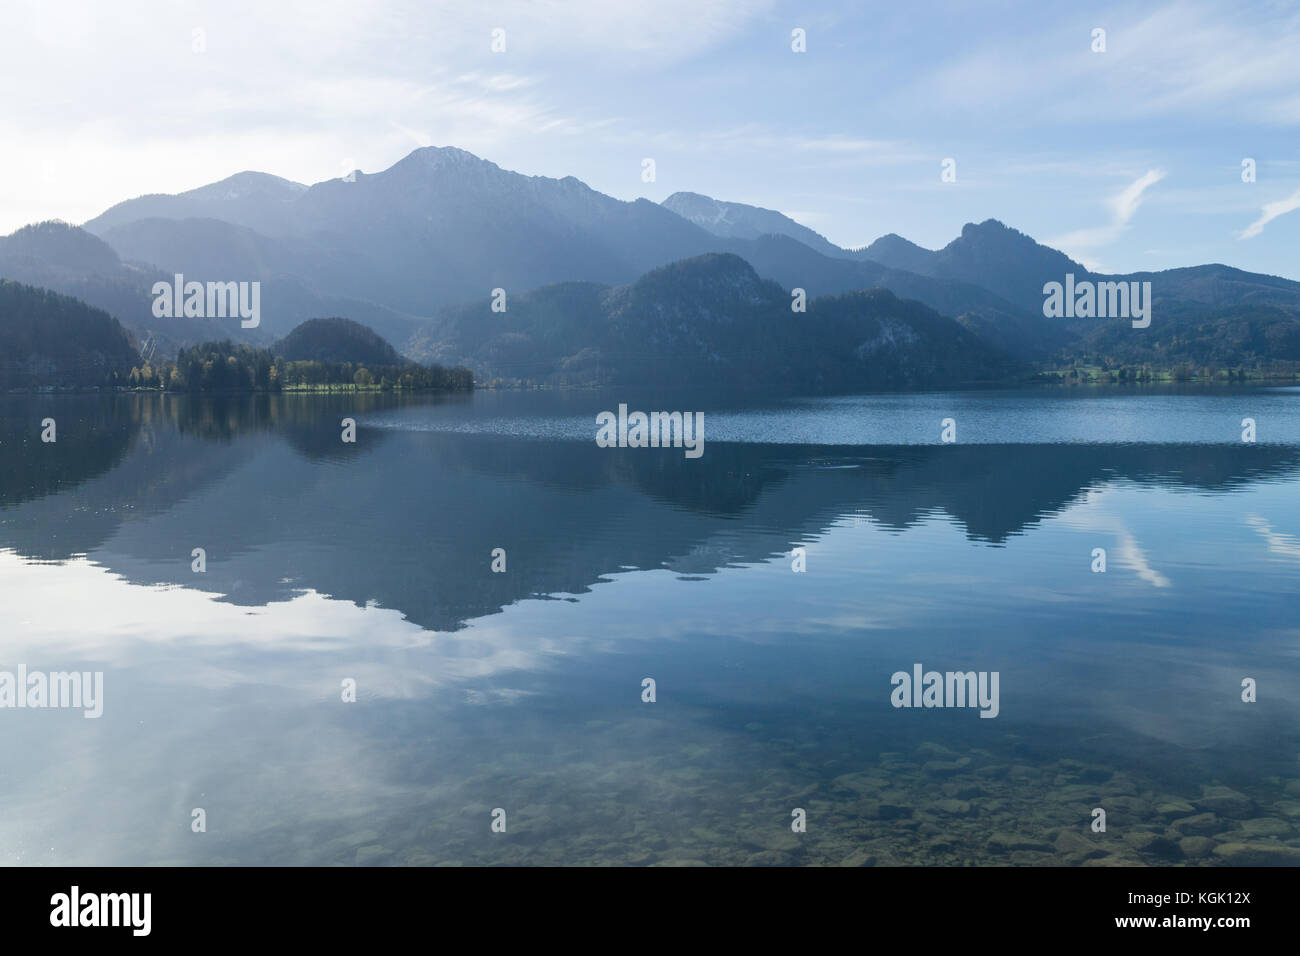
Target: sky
(1127,158)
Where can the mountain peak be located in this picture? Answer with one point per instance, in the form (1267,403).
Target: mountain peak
(1005,261)
(248,198)
(993,237)
(248,184)
(735,220)
(683,202)
(61,242)
(445,157)
(895,252)
(988,227)
(723,274)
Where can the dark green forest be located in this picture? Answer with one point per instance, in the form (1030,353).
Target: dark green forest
(53,340)
(47,338)
(337,340)
(225,366)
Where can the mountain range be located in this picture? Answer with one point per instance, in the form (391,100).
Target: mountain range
(711,319)
(416,251)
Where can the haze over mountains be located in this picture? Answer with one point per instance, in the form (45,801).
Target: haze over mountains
(74,262)
(734,220)
(713,319)
(415,251)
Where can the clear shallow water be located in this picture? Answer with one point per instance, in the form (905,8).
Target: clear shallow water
(522,690)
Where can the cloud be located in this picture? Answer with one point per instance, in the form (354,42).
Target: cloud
(1123,206)
(1130,553)
(1270,212)
(1279,543)
(1133,557)
(414,135)
(630,32)
(1182,59)
(1127,202)
(497,82)
(842,144)
(120,103)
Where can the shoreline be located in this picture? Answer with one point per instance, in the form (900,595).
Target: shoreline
(1044,380)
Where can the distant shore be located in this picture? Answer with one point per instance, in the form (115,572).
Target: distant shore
(1084,377)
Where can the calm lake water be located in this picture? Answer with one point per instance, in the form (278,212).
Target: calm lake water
(372,562)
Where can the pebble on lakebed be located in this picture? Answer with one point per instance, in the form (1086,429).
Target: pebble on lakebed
(928,805)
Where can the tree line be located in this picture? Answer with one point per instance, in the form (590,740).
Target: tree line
(226,366)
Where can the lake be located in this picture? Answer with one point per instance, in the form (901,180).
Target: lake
(517,696)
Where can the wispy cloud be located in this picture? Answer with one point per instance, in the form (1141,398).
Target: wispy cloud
(1270,212)
(1123,207)
(415,136)
(1280,543)
(842,144)
(497,82)
(1127,202)
(1133,557)
(1130,553)
(1179,59)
